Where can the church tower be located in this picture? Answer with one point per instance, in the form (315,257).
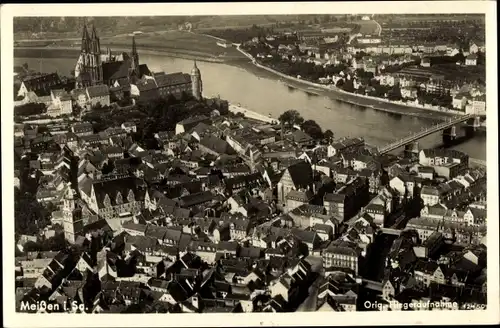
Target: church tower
(109,55)
(95,51)
(72,216)
(88,69)
(196,82)
(134,61)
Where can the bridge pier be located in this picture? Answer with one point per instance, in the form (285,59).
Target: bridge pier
(471,126)
(449,134)
(412,149)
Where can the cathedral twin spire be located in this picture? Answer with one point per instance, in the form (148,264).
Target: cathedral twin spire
(90,44)
(88,69)
(135,56)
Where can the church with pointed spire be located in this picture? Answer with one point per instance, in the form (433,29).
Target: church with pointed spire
(72,216)
(89,70)
(124,74)
(95,68)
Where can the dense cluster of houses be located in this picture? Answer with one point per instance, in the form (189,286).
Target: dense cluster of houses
(60,96)
(236,215)
(391,62)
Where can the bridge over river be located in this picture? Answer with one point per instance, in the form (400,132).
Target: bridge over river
(448,124)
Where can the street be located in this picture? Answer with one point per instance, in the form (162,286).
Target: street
(309,304)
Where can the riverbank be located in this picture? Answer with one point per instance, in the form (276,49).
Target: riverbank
(251,114)
(473,162)
(71,52)
(378,104)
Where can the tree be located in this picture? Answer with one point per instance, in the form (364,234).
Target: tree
(415,204)
(185,96)
(30,216)
(313,129)
(384,178)
(328,135)
(30,109)
(76,110)
(108,167)
(395,93)
(348,86)
(291,117)
(56,243)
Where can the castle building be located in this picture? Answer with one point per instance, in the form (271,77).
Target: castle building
(72,216)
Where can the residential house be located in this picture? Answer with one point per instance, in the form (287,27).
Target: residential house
(82,129)
(446,162)
(62,103)
(298,176)
(409,93)
(478,105)
(38,83)
(129,127)
(424,227)
(348,199)
(296,198)
(342,254)
(98,94)
(425,62)
(427,272)
(115,197)
(471,60)
(430,195)
(189,123)
(459,101)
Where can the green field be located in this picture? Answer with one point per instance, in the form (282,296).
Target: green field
(369,27)
(180,42)
(405,19)
(186,42)
(71,27)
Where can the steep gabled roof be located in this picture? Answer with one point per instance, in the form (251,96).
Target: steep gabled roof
(98,90)
(166,80)
(301,174)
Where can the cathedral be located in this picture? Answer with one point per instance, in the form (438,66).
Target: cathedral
(88,70)
(95,68)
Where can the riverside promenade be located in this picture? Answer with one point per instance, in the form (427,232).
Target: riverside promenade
(251,114)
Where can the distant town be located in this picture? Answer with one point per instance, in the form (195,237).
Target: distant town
(420,64)
(135,193)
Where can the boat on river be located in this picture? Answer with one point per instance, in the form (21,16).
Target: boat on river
(312,93)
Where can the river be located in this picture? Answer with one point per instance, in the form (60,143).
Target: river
(263,92)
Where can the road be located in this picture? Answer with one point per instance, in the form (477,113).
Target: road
(373,268)
(379,28)
(309,304)
(251,114)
